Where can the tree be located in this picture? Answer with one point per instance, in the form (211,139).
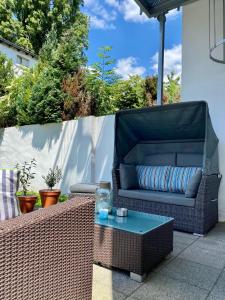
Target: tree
(27,22)
(77,102)
(103,69)
(130,93)
(47,99)
(151,89)
(38,17)
(6,74)
(10,27)
(101,78)
(172,88)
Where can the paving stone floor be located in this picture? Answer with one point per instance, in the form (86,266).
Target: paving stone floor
(195,270)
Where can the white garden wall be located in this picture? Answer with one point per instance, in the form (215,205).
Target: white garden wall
(71,145)
(202,78)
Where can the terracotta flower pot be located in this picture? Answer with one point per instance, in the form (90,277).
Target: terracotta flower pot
(49,197)
(27,203)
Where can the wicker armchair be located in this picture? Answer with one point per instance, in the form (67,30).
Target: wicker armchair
(178,135)
(48,254)
(198,219)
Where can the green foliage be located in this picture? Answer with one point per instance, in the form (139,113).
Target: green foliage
(69,55)
(130,93)
(53,177)
(18,97)
(10,27)
(46,101)
(103,69)
(172,88)
(26,174)
(27,22)
(151,89)
(6,74)
(101,78)
(47,98)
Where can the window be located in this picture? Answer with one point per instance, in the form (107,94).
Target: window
(23,61)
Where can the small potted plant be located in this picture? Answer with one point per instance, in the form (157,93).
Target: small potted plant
(51,196)
(26,174)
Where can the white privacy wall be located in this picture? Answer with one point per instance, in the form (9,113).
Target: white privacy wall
(83,149)
(202,78)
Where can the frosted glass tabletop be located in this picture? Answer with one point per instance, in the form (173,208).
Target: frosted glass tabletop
(135,222)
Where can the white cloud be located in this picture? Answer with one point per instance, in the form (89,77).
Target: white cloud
(173,61)
(100,23)
(100,17)
(126,67)
(129,9)
(104,13)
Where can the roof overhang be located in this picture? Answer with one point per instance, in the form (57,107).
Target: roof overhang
(17,47)
(154,8)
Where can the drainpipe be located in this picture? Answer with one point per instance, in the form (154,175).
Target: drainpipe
(162,21)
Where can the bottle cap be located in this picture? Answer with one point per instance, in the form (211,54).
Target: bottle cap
(105,185)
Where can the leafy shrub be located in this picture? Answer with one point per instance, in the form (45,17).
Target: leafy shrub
(77,100)
(46,101)
(6,73)
(53,177)
(26,174)
(130,93)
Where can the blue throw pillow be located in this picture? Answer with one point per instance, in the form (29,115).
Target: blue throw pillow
(9,207)
(179,178)
(153,178)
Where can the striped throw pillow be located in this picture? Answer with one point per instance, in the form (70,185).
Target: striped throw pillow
(180,177)
(9,207)
(153,178)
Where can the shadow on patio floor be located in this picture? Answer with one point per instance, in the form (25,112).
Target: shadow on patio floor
(195,270)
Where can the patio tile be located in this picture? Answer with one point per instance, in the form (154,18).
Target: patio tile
(190,272)
(218,293)
(200,253)
(184,239)
(211,244)
(118,280)
(218,232)
(165,288)
(104,292)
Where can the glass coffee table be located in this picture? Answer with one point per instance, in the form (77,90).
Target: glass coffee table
(135,243)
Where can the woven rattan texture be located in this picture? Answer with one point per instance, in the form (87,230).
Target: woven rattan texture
(136,253)
(48,254)
(198,219)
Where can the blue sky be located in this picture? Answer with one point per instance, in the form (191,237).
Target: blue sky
(134,38)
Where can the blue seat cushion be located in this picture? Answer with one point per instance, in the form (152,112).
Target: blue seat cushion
(161,197)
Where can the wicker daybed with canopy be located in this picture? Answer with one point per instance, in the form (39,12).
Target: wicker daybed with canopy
(154,135)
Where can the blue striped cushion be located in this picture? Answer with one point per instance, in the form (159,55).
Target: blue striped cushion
(180,177)
(153,178)
(9,207)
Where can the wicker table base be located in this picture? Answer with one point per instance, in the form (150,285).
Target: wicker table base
(135,253)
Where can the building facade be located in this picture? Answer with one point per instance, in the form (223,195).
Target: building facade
(20,57)
(204,79)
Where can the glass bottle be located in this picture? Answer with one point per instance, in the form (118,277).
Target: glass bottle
(103,197)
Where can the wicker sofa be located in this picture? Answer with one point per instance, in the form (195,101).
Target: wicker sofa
(48,254)
(152,136)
